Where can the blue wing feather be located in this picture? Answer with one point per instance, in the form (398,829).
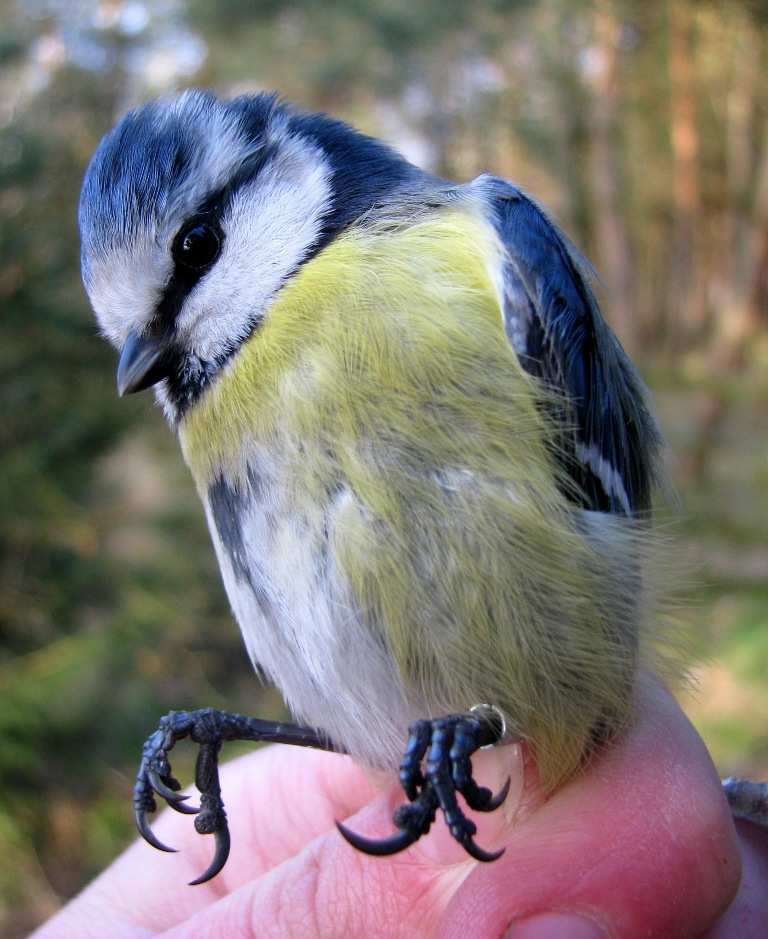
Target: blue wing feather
(610,442)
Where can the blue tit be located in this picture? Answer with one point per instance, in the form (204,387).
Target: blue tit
(425,460)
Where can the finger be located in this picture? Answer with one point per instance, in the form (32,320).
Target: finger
(329,889)
(747,916)
(278,798)
(641,845)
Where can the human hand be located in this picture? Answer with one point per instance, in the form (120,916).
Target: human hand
(642,844)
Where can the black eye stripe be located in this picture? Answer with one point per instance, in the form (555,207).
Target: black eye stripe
(208,215)
(195,249)
(214,207)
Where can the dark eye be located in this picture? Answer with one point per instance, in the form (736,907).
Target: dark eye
(197,247)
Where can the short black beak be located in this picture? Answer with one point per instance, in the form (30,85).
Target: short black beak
(144,361)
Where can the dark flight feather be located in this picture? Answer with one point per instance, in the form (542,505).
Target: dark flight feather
(610,444)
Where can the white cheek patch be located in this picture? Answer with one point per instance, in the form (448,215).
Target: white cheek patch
(272,224)
(125,288)
(126,284)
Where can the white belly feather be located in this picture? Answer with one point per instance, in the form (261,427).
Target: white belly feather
(298,622)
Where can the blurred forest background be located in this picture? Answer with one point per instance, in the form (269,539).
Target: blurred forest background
(643,126)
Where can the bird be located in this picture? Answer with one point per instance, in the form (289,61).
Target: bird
(426,462)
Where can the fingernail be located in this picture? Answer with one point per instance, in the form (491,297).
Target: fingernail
(554,926)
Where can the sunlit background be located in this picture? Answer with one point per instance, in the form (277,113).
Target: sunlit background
(642,126)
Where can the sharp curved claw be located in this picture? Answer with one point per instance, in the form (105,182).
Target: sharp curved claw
(219,858)
(478,853)
(500,796)
(183,808)
(170,795)
(397,842)
(147,834)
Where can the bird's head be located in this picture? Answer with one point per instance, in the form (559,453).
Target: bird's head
(195,211)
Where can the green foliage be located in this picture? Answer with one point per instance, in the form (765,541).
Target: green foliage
(97,640)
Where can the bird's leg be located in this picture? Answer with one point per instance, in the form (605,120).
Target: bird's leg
(444,747)
(210,729)
(479,798)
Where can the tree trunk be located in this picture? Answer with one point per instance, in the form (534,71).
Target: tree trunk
(614,251)
(687,293)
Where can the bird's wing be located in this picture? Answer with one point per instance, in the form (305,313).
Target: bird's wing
(610,442)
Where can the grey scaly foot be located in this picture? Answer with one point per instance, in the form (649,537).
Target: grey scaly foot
(210,729)
(435,767)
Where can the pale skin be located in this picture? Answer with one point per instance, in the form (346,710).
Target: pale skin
(642,844)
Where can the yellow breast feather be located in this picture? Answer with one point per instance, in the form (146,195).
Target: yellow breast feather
(383,366)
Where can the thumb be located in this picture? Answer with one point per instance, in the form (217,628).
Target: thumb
(641,845)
